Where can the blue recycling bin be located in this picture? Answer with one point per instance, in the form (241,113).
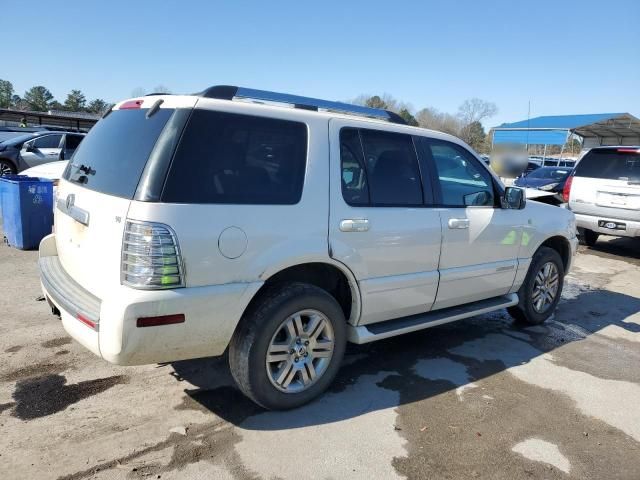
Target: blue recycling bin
(27,210)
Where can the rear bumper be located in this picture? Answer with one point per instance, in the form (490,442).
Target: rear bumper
(590,222)
(211,315)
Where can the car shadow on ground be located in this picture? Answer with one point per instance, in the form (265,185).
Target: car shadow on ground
(625,248)
(413,367)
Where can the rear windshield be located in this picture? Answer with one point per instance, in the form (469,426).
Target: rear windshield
(610,164)
(550,173)
(241,159)
(113,155)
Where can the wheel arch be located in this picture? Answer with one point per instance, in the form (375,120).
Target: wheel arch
(331,276)
(561,245)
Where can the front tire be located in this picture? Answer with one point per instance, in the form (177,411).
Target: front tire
(540,293)
(288,346)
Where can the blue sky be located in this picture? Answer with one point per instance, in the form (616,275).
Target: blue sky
(566,57)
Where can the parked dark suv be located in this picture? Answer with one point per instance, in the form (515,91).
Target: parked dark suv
(33,149)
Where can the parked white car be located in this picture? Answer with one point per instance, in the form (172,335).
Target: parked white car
(189,225)
(604,193)
(52,170)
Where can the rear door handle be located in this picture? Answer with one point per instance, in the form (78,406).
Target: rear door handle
(459,223)
(354,225)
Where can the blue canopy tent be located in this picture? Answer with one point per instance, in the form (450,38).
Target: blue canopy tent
(594,129)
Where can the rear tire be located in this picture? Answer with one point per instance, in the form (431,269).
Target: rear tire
(588,237)
(288,346)
(7,168)
(541,290)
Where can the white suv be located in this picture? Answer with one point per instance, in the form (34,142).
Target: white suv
(280,227)
(604,193)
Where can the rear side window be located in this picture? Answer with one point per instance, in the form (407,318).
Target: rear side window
(379,168)
(618,164)
(355,187)
(239,159)
(47,141)
(111,158)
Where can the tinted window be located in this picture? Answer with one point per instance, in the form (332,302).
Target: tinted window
(230,158)
(47,141)
(355,189)
(550,173)
(392,168)
(112,156)
(72,141)
(463,181)
(619,164)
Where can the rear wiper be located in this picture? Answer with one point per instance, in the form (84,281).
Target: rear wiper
(154,108)
(85,169)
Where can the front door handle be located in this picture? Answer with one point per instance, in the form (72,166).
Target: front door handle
(354,225)
(459,223)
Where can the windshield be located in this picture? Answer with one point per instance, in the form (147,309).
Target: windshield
(612,164)
(113,155)
(550,173)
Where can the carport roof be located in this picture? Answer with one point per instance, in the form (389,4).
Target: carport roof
(589,125)
(54,118)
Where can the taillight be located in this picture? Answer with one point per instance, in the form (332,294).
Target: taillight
(566,190)
(150,256)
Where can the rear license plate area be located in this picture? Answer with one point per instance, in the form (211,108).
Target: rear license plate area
(612,225)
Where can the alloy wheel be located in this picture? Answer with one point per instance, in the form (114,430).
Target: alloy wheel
(545,287)
(300,351)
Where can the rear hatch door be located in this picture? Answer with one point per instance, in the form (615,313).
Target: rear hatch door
(607,183)
(96,190)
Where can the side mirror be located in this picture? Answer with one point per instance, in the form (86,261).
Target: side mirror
(513,198)
(29,147)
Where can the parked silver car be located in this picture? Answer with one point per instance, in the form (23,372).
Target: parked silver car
(604,193)
(34,149)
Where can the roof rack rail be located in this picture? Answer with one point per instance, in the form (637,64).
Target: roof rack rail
(229,92)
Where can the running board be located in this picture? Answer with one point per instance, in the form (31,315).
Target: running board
(399,326)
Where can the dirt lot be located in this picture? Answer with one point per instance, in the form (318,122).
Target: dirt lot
(476,399)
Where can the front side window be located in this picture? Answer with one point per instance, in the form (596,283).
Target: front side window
(238,159)
(463,183)
(72,142)
(47,141)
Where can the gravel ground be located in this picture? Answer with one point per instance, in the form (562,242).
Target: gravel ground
(480,398)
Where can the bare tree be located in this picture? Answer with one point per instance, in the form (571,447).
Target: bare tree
(161,89)
(138,92)
(435,120)
(476,110)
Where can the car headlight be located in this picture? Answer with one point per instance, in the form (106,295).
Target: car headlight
(548,187)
